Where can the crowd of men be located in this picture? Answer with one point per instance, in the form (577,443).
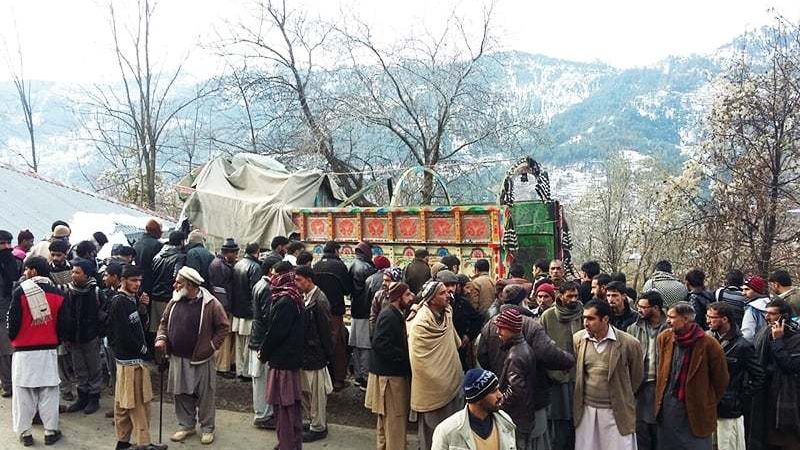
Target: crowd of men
(537,362)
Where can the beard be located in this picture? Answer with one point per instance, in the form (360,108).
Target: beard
(179,294)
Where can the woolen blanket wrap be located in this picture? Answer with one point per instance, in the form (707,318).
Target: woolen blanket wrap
(435,366)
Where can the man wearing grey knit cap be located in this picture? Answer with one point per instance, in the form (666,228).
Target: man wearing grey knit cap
(481,424)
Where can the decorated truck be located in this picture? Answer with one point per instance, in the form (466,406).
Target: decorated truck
(503,233)
(253,198)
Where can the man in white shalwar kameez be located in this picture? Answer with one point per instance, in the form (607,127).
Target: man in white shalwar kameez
(609,369)
(35,325)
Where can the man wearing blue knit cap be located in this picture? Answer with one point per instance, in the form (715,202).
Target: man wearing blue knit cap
(480,425)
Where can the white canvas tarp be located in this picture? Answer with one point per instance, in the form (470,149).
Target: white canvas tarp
(249,198)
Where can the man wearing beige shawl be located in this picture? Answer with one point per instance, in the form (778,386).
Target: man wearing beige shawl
(435,367)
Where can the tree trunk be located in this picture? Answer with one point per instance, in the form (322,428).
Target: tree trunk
(427,188)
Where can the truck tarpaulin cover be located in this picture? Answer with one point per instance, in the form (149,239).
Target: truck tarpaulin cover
(250,198)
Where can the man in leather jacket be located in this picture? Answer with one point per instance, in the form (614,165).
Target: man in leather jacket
(746,375)
(264,416)
(166,265)
(333,279)
(246,273)
(361,269)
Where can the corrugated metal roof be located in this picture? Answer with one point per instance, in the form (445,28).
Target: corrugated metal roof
(30,201)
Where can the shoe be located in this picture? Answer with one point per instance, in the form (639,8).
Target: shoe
(50,439)
(110,414)
(311,435)
(181,435)
(122,445)
(80,404)
(207,438)
(93,404)
(245,379)
(5,393)
(268,424)
(151,447)
(27,440)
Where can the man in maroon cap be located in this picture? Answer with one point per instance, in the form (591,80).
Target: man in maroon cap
(755,290)
(518,377)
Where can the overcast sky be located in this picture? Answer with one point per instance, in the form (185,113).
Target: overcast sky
(70,40)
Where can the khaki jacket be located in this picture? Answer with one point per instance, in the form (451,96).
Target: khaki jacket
(708,377)
(624,377)
(485,285)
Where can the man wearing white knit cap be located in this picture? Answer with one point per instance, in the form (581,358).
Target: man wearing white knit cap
(192,328)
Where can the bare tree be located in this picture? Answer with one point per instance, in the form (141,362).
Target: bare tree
(433,93)
(280,51)
(145,105)
(22,85)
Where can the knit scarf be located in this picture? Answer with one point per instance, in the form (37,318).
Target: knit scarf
(37,300)
(283,285)
(566,314)
(686,341)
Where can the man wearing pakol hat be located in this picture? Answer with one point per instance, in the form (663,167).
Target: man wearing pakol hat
(10,271)
(518,380)
(197,256)
(35,326)
(757,295)
(481,424)
(126,335)
(388,389)
(315,380)
(60,232)
(192,328)
(86,307)
(220,278)
(60,268)
(435,366)
(360,302)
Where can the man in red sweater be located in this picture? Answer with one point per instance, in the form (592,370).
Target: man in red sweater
(36,322)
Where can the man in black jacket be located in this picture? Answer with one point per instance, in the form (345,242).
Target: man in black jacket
(491,356)
(466,320)
(333,278)
(361,269)
(774,420)
(264,417)
(147,247)
(127,322)
(220,279)
(746,375)
(417,272)
(698,296)
(166,265)
(10,271)
(622,316)
(246,274)
(389,365)
(317,354)
(282,349)
(86,305)
(518,378)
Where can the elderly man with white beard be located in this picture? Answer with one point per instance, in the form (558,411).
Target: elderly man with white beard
(192,328)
